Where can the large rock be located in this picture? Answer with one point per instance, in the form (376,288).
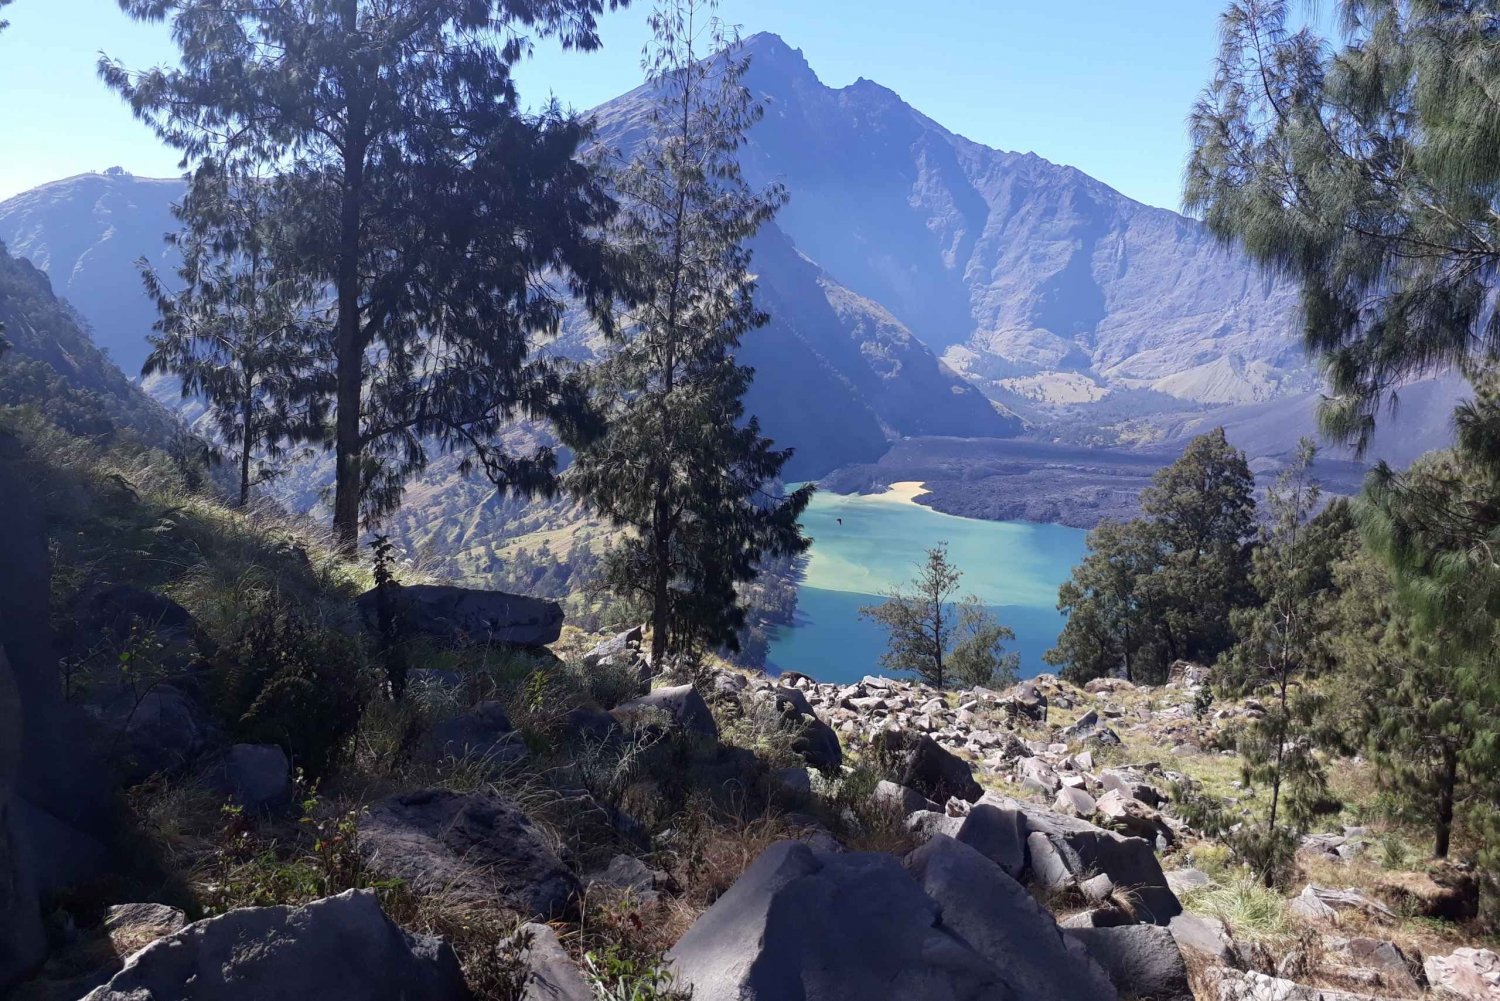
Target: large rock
(554,976)
(916,761)
(1132,817)
(819,746)
(998,835)
(1064,852)
(340,948)
(257,776)
(623,650)
(1323,903)
(1472,974)
(481,735)
(1028,701)
(683,706)
(160,731)
(60,769)
(108,618)
(458,616)
(899,799)
(477,848)
(1142,961)
(22,942)
(800,926)
(1235,985)
(1002,922)
(1204,935)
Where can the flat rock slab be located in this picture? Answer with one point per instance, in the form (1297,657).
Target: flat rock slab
(477,848)
(340,948)
(460,616)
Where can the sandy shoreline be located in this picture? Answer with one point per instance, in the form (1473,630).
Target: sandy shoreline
(904,492)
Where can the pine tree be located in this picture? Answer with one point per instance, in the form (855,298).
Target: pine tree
(1203,506)
(1282,639)
(450,228)
(1364,168)
(680,465)
(245,331)
(1408,705)
(1162,588)
(1111,606)
(936,638)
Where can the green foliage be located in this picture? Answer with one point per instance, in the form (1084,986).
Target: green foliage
(680,466)
(451,228)
(1364,168)
(937,639)
(284,681)
(618,974)
(1283,640)
(1161,588)
(245,331)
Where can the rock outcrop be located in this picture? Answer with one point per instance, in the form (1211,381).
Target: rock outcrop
(803,926)
(340,948)
(476,848)
(459,616)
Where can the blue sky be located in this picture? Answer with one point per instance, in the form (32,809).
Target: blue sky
(1102,85)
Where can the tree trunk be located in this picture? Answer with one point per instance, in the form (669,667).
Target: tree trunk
(659,626)
(349,342)
(1449,780)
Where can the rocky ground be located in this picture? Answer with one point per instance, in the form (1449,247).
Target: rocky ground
(538,817)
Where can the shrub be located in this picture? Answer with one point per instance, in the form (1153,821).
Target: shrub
(284,681)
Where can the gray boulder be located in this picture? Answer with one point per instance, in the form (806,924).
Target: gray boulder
(477,848)
(1468,973)
(1142,961)
(998,835)
(819,746)
(1029,702)
(109,617)
(161,731)
(257,776)
(483,734)
(1062,852)
(802,926)
(1205,935)
(899,799)
(554,976)
(917,761)
(1073,802)
(1131,784)
(1002,922)
(682,704)
(622,650)
(459,616)
(340,948)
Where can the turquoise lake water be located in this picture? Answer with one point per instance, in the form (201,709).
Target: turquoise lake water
(1014,567)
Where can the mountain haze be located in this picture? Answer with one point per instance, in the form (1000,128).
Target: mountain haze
(1019,272)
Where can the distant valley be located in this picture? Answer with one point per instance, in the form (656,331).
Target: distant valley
(1024,338)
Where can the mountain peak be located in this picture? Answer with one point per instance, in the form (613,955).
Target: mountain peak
(770,53)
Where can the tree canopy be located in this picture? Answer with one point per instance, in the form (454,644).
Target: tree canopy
(451,227)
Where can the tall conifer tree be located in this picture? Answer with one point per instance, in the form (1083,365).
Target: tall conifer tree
(246,330)
(681,466)
(449,226)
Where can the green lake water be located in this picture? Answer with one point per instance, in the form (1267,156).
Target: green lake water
(1014,567)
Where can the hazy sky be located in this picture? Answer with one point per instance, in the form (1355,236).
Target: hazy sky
(1102,85)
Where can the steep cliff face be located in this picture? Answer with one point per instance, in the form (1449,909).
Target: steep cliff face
(87,232)
(1023,274)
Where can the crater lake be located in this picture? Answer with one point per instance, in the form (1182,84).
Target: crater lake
(864,545)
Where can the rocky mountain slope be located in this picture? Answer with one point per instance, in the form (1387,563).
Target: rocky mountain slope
(1031,278)
(837,376)
(51,362)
